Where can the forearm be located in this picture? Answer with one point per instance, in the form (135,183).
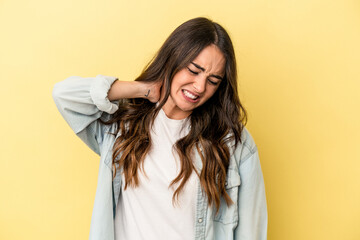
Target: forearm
(126,89)
(252,204)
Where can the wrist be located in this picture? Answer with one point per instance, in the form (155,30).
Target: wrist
(141,89)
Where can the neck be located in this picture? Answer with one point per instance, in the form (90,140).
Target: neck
(171,110)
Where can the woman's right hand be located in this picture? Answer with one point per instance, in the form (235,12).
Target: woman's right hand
(152,91)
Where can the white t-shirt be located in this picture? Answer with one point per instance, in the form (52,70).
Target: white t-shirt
(147,211)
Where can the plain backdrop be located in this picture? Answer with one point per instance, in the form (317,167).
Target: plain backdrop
(299,79)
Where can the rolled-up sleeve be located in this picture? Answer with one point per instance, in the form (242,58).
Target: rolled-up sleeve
(82,101)
(252,205)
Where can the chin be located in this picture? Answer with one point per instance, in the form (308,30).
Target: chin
(187,109)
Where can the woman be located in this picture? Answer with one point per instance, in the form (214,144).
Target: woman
(176,159)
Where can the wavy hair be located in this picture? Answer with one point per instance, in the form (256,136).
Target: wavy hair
(135,116)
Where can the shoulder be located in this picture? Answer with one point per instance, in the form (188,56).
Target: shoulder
(244,149)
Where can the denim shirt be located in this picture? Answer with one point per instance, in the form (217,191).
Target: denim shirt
(82,101)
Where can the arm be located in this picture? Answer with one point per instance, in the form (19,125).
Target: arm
(252,200)
(82,101)
(134,89)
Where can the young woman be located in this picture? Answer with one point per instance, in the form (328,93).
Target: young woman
(176,160)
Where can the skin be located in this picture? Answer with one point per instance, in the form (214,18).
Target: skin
(193,81)
(200,79)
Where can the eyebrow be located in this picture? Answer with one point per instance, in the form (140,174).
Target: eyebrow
(203,69)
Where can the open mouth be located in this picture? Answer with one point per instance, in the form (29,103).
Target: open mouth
(190,96)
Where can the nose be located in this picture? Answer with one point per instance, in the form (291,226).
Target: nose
(200,84)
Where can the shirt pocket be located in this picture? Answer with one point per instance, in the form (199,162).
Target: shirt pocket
(229,214)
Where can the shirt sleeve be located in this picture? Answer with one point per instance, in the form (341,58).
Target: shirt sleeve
(82,101)
(252,206)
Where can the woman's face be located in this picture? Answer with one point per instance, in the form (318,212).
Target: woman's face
(193,85)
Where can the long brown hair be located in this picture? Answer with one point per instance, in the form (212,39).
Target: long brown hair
(224,110)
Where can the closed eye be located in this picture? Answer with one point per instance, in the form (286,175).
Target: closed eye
(213,82)
(210,81)
(193,72)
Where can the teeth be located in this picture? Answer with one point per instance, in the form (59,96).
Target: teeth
(189,95)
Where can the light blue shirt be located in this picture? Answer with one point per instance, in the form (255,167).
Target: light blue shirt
(82,101)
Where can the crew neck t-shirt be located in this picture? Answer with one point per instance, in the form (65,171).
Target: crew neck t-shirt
(147,211)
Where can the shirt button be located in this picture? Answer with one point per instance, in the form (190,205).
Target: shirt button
(200,220)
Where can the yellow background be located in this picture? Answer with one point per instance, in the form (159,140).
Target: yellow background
(299,78)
